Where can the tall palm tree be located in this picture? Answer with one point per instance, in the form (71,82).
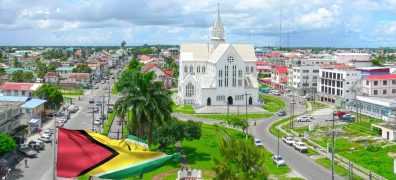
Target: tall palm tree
(149,102)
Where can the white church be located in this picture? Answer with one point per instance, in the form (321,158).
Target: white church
(217,73)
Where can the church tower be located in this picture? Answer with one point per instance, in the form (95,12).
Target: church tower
(218,30)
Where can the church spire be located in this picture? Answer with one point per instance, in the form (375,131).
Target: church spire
(218,29)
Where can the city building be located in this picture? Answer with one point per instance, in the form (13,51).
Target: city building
(373,70)
(217,73)
(76,80)
(52,77)
(279,77)
(317,60)
(338,84)
(353,59)
(303,79)
(379,85)
(64,71)
(9,110)
(19,89)
(161,75)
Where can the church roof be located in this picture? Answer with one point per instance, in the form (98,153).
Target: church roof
(218,29)
(201,52)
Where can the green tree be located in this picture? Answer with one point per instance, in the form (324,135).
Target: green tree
(238,121)
(377,62)
(149,102)
(20,76)
(123,43)
(2,74)
(82,68)
(51,68)
(242,160)
(16,63)
(51,93)
(176,130)
(7,143)
(63,58)
(134,64)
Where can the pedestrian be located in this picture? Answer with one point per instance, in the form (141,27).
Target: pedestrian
(26,163)
(254,123)
(37,149)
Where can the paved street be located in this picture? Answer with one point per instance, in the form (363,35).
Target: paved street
(301,163)
(41,168)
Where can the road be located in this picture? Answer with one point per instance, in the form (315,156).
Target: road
(301,163)
(41,168)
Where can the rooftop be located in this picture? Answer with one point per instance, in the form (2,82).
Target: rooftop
(12,70)
(381,77)
(6,105)
(65,68)
(33,103)
(14,98)
(281,69)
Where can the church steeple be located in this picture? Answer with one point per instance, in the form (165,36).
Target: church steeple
(218,29)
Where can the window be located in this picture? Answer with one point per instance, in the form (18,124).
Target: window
(185,69)
(203,69)
(220,83)
(239,73)
(375,83)
(393,91)
(198,69)
(251,69)
(191,69)
(375,92)
(315,71)
(189,90)
(305,71)
(23,93)
(226,76)
(234,76)
(314,84)
(367,83)
(220,73)
(247,69)
(393,82)
(230,59)
(240,82)
(384,91)
(338,75)
(385,82)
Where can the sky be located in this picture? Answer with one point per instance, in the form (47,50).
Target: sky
(304,23)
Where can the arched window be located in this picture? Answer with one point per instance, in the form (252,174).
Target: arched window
(230,59)
(252,69)
(185,68)
(198,69)
(247,69)
(191,69)
(203,69)
(189,90)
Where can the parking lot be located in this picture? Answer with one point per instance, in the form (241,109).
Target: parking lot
(322,117)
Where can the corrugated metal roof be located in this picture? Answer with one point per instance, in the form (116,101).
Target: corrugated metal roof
(33,103)
(14,98)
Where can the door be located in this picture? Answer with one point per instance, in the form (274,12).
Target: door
(250,101)
(229,100)
(208,102)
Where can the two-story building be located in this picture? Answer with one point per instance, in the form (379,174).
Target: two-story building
(64,71)
(52,78)
(160,74)
(279,77)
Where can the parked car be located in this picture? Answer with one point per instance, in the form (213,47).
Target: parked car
(276,93)
(288,140)
(348,117)
(281,113)
(300,146)
(27,150)
(110,110)
(73,108)
(105,88)
(91,101)
(258,143)
(46,135)
(96,87)
(96,109)
(45,139)
(98,103)
(37,143)
(278,160)
(303,119)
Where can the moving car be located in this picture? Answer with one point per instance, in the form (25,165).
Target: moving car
(110,110)
(45,139)
(278,160)
(98,122)
(303,119)
(91,101)
(37,143)
(27,150)
(281,113)
(288,140)
(98,103)
(276,93)
(258,143)
(300,146)
(73,108)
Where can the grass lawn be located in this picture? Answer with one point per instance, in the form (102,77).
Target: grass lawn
(273,129)
(338,169)
(262,86)
(114,90)
(72,92)
(107,125)
(186,109)
(272,104)
(318,105)
(225,116)
(200,152)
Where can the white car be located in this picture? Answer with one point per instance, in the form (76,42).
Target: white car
(45,139)
(278,160)
(300,146)
(303,119)
(98,122)
(258,143)
(288,140)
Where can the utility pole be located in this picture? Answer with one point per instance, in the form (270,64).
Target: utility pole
(246,115)
(278,142)
(332,149)
(93,118)
(102,109)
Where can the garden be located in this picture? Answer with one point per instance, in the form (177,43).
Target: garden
(225,116)
(272,104)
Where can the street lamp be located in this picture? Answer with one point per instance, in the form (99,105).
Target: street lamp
(332,149)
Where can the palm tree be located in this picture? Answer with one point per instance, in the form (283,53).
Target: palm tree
(149,103)
(2,73)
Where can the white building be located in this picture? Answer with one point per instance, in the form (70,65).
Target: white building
(354,59)
(303,79)
(338,84)
(317,60)
(217,73)
(379,85)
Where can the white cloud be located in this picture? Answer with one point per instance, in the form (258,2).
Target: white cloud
(320,18)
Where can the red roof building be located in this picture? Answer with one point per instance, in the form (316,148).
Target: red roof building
(281,69)
(165,76)
(381,77)
(17,86)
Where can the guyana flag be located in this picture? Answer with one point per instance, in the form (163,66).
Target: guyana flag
(83,152)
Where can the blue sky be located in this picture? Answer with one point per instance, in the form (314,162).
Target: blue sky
(305,23)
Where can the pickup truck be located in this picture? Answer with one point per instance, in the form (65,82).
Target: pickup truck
(27,151)
(300,146)
(288,140)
